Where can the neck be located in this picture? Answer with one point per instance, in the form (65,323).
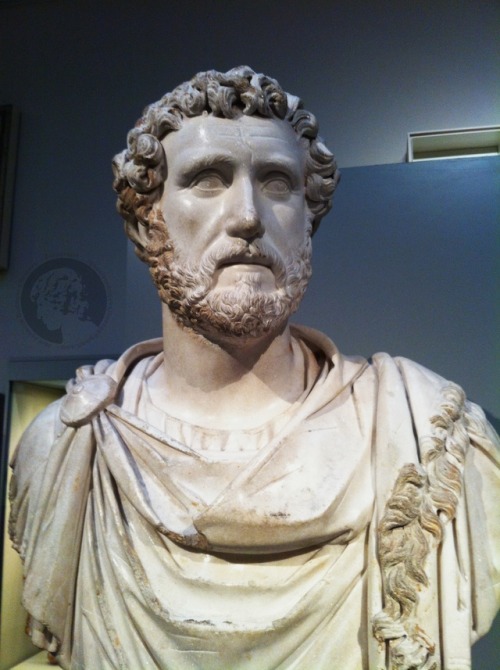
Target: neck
(238,383)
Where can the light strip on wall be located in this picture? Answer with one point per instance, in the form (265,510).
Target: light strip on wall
(459,143)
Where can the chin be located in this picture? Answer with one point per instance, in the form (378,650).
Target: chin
(240,312)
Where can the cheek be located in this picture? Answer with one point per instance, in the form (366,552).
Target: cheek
(191,222)
(290,220)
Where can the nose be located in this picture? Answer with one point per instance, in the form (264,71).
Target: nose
(245,221)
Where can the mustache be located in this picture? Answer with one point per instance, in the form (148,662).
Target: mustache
(241,251)
(198,280)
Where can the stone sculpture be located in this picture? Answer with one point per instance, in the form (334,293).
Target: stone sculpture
(238,494)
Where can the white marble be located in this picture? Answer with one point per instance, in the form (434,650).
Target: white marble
(238,494)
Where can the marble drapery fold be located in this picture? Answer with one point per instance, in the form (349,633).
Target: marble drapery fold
(138,569)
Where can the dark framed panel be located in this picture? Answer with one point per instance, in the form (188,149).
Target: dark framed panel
(9,126)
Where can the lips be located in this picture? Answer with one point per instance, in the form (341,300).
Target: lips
(245,259)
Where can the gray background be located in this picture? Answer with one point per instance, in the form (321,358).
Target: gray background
(405,262)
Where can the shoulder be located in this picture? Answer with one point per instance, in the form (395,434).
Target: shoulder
(29,463)
(34,447)
(86,391)
(97,386)
(427,386)
(411,372)
(424,391)
(435,403)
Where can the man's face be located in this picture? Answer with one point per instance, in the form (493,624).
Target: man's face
(237,220)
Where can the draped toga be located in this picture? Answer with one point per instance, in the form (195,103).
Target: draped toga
(354,531)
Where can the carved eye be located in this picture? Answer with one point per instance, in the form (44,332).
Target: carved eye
(209,183)
(277,186)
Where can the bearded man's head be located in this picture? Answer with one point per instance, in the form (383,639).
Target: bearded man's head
(140,175)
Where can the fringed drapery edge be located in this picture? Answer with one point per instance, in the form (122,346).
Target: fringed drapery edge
(424,498)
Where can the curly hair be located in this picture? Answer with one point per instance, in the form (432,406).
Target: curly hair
(141,170)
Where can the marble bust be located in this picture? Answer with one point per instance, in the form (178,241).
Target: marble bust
(238,494)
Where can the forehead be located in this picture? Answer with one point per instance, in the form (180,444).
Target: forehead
(241,138)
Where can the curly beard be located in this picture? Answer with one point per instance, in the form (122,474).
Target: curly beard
(242,310)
